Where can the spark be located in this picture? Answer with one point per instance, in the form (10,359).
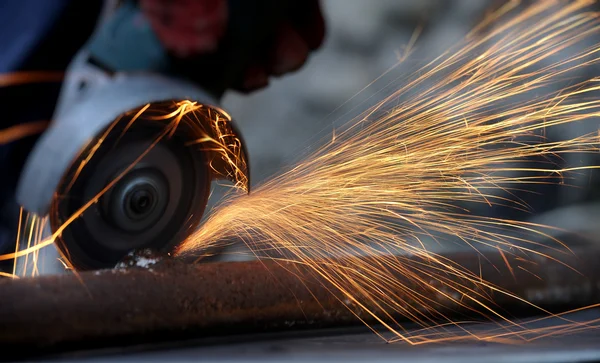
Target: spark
(18,78)
(17,132)
(29,243)
(412,171)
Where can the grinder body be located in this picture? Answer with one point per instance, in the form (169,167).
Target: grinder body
(101,160)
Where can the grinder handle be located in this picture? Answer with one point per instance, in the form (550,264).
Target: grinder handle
(251,25)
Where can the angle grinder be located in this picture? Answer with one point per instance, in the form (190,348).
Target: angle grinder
(108,182)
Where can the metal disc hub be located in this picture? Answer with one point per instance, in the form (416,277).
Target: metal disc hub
(138,201)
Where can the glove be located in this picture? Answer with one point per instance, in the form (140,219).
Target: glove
(193,27)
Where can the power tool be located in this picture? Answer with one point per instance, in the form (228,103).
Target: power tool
(102,155)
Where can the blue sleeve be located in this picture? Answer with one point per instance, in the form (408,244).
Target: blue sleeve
(23,24)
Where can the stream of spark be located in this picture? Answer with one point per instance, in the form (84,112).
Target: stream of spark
(411,171)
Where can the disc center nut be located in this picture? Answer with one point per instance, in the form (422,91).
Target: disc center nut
(139,200)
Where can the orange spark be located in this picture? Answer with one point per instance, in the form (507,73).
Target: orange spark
(17,78)
(17,132)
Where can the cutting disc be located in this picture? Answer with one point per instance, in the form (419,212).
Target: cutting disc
(153,191)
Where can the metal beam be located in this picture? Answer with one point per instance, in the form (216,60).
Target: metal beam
(173,299)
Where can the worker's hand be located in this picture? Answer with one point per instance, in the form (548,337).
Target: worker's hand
(193,27)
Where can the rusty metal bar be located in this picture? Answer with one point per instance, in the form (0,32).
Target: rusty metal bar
(175,299)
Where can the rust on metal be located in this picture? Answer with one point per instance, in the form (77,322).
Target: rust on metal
(173,297)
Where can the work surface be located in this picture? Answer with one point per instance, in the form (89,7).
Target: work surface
(336,345)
